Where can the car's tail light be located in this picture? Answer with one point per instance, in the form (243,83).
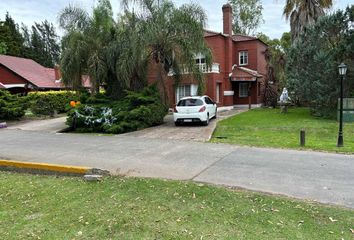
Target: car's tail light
(202,109)
(175,109)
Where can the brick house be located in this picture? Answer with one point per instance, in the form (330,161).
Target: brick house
(237,75)
(22,75)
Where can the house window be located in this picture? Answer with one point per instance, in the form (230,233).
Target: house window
(243,90)
(185,91)
(201,63)
(243,58)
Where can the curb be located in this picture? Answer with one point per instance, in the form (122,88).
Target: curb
(45,168)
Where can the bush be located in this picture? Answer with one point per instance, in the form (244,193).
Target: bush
(45,103)
(11,107)
(136,111)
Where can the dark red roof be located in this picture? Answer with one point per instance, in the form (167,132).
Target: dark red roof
(240,38)
(30,70)
(208,33)
(35,73)
(235,37)
(244,74)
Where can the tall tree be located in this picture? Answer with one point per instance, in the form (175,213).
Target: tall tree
(50,51)
(247,16)
(172,37)
(3,48)
(10,36)
(304,12)
(312,65)
(85,44)
(276,57)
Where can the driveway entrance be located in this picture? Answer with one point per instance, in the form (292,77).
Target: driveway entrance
(194,132)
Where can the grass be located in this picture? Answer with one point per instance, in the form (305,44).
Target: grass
(266,127)
(47,207)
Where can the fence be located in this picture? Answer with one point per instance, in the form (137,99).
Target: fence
(348,109)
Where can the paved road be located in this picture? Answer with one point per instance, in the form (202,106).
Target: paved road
(328,178)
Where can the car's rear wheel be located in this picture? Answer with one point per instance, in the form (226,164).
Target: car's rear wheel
(177,124)
(206,123)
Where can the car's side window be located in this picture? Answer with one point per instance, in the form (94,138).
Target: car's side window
(208,100)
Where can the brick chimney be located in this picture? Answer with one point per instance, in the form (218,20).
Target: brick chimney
(227,19)
(57,73)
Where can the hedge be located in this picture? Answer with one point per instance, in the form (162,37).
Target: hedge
(46,103)
(11,106)
(136,111)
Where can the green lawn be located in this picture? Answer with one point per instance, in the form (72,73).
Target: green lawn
(47,207)
(267,127)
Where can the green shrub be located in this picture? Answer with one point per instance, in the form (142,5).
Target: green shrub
(136,111)
(11,106)
(46,103)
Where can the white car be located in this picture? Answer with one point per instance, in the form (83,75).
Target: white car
(194,109)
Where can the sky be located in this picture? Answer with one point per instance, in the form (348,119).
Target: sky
(30,11)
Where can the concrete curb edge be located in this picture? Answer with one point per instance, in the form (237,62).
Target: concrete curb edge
(35,167)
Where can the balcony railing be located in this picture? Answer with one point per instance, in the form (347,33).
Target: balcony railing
(215,68)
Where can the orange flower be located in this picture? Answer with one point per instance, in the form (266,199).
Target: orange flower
(72,103)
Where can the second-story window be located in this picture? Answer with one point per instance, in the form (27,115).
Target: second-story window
(201,62)
(243,58)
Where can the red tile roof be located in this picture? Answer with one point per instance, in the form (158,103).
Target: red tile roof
(240,38)
(208,33)
(235,37)
(31,71)
(243,74)
(35,73)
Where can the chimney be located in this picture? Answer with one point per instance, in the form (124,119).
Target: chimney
(57,73)
(227,19)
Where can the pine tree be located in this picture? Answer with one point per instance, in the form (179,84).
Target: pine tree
(10,36)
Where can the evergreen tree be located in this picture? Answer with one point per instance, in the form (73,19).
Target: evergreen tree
(312,64)
(10,36)
(39,44)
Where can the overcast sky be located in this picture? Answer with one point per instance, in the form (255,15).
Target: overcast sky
(30,11)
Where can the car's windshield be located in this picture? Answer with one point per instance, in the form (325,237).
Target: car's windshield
(190,102)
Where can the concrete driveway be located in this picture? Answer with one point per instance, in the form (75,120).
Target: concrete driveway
(51,125)
(323,177)
(165,131)
(190,132)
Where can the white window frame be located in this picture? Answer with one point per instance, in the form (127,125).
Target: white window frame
(243,58)
(182,91)
(243,91)
(200,61)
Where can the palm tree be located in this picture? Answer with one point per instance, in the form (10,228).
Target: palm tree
(172,36)
(85,44)
(304,12)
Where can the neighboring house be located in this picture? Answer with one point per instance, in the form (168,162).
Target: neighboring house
(237,75)
(22,75)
